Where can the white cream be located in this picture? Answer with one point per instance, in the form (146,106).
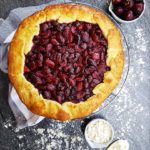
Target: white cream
(119,145)
(99,131)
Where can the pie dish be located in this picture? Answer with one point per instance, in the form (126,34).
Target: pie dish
(65,60)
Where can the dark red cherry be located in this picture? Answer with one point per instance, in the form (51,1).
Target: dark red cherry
(116,1)
(138,8)
(129,15)
(118,10)
(26,69)
(128,4)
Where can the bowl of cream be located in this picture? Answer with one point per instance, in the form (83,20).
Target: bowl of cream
(99,133)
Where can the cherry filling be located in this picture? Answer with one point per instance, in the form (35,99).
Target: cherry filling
(67,60)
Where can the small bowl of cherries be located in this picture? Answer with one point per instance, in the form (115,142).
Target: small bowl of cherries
(127,11)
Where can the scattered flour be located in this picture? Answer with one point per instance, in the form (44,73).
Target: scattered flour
(20,136)
(8,123)
(141,42)
(40,130)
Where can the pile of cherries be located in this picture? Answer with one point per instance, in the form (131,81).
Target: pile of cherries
(67,60)
(128,9)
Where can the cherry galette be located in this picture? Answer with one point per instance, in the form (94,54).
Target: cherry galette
(65,60)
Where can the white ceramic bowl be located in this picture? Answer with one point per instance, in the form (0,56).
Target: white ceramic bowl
(121,20)
(97,145)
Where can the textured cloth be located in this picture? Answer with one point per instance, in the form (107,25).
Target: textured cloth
(23,116)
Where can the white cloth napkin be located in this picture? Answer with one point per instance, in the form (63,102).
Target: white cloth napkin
(20,110)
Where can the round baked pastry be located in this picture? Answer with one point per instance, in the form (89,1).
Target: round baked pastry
(65,60)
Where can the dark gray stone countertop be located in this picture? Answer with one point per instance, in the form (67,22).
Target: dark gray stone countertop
(129,113)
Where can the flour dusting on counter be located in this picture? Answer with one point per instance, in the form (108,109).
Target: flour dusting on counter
(55,135)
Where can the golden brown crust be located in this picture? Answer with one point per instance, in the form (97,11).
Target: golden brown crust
(22,43)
